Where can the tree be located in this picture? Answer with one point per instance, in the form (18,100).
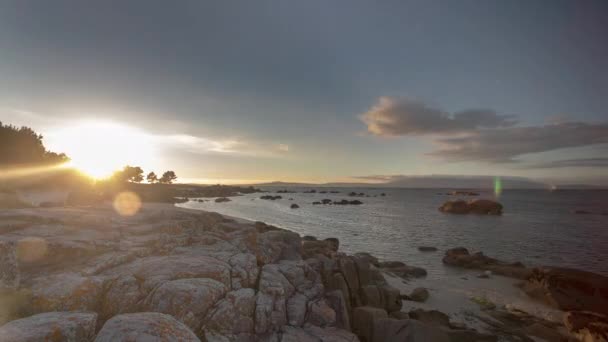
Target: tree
(152,178)
(168,177)
(24,146)
(133,174)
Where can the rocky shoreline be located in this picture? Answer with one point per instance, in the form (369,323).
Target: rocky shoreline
(167,273)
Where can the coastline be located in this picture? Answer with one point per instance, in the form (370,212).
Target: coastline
(195,271)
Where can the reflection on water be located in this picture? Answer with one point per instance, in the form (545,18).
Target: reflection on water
(538,227)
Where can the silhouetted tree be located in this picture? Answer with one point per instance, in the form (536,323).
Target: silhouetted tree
(168,177)
(24,146)
(152,178)
(133,174)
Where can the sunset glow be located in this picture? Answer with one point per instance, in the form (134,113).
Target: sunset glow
(100,148)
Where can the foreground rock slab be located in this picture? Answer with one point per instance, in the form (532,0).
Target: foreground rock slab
(51,326)
(143,327)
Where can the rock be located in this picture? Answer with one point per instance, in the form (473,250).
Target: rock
(312,248)
(231,317)
(294,206)
(455,207)
(368,257)
(469,335)
(320,314)
(461,257)
(371,296)
(419,294)
(427,249)
(364,318)
(399,315)
(308,238)
(270,308)
(296,309)
(271,198)
(569,289)
(331,334)
(485,207)
(587,326)
(430,317)
(391,298)
(188,300)
(51,326)
(484,303)
(278,245)
(478,206)
(316,203)
(66,292)
(402,270)
(144,326)
(355,202)
(244,270)
(334,243)
(222,199)
(326,201)
(335,300)
(9,268)
(394,330)
(347,267)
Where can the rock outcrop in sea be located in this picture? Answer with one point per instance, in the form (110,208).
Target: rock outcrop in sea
(477,206)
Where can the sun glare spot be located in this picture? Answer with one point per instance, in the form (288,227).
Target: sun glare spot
(100,148)
(127,203)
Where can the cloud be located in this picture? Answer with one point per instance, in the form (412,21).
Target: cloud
(504,145)
(477,134)
(401,116)
(228,147)
(584,162)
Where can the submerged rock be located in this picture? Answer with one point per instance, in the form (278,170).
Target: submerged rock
(294,206)
(427,249)
(222,199)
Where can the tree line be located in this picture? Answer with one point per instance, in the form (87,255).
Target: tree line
(135,174)
(21,145)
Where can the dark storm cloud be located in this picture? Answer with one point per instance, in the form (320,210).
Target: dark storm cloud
(504,145)
(395,117)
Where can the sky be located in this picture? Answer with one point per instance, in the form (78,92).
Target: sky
(314,91)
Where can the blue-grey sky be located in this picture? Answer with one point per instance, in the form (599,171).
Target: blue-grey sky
(319,90)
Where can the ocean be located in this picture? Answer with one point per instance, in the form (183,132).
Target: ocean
(538,227)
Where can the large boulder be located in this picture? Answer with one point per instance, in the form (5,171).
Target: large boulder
(244,271)
(231,317)
(409,330)
(587,326)
(188,300)
(51,326)
(569,289)
(336,301)
(270,307)
(66,292)
(143,327)
(278,245)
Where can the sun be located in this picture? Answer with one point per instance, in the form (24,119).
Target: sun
(99,148)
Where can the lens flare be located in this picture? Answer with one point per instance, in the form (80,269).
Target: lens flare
(497,186)
(127,203)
